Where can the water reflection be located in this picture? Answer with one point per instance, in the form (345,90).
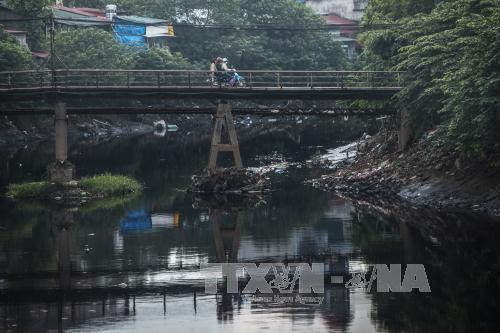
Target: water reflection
(131,264)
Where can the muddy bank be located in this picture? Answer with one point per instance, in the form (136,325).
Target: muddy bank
(429,173)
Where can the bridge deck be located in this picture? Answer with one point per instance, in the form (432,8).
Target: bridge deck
(198,84)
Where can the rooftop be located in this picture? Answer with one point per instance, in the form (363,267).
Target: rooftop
(336,19)
(140,20)
(78,16)
(84,11)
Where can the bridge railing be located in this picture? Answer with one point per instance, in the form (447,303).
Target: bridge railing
(104,78)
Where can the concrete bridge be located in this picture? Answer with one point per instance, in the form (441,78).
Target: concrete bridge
(61,88)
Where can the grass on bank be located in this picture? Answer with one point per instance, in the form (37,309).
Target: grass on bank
(105,185)
(28,190)
(110,185)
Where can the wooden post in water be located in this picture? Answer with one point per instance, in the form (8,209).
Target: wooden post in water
(224,118)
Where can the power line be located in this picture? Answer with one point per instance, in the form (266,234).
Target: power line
(260,26)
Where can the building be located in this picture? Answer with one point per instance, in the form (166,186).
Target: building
(349,9)
(7,14)
(131,30)
(15,29)
(345,13)
(19,35)
(346,34)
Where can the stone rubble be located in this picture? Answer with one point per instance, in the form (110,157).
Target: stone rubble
(428,173)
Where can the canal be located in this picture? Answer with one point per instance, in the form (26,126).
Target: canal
(132,264)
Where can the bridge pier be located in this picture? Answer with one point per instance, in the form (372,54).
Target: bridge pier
(63,219)
(224,118)
(227,238)
(62,170)
(405,132)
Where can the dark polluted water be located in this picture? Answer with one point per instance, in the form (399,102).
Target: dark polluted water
(131,265)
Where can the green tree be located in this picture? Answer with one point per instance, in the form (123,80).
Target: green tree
(451,58)
(247,49)
(160,59)
(88,3)
(381,45)
(385,11)
(92,48)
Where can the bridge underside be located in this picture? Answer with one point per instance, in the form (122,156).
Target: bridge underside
(263,112)
(133,93)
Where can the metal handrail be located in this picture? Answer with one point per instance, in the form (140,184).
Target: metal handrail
(191,70)
(104,78)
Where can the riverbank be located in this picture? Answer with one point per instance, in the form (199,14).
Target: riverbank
(75,192)
(429,173)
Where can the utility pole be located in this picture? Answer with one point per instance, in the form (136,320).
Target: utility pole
(52,53)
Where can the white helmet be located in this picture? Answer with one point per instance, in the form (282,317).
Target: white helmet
(224,60)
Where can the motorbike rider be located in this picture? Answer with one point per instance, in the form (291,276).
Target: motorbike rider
(213,70)
(225,66)
(224,73)
(230,73)
(220,73)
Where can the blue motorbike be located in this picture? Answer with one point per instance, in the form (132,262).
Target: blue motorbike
(230,79)
(235,80)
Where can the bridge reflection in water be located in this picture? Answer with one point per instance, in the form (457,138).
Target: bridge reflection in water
(72,297)
(150,277)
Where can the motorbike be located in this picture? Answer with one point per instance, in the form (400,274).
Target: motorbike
(230,78)
(235,80)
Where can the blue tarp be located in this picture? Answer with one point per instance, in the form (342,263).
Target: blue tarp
(136,220)
(130,34)
(131,30)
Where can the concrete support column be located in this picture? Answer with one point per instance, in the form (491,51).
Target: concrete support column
(61,171)
(61,132)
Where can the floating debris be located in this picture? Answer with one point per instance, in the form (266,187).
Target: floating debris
(232,180)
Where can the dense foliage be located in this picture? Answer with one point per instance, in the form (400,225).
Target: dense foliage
(246,49)
(451,53)
(97,48)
